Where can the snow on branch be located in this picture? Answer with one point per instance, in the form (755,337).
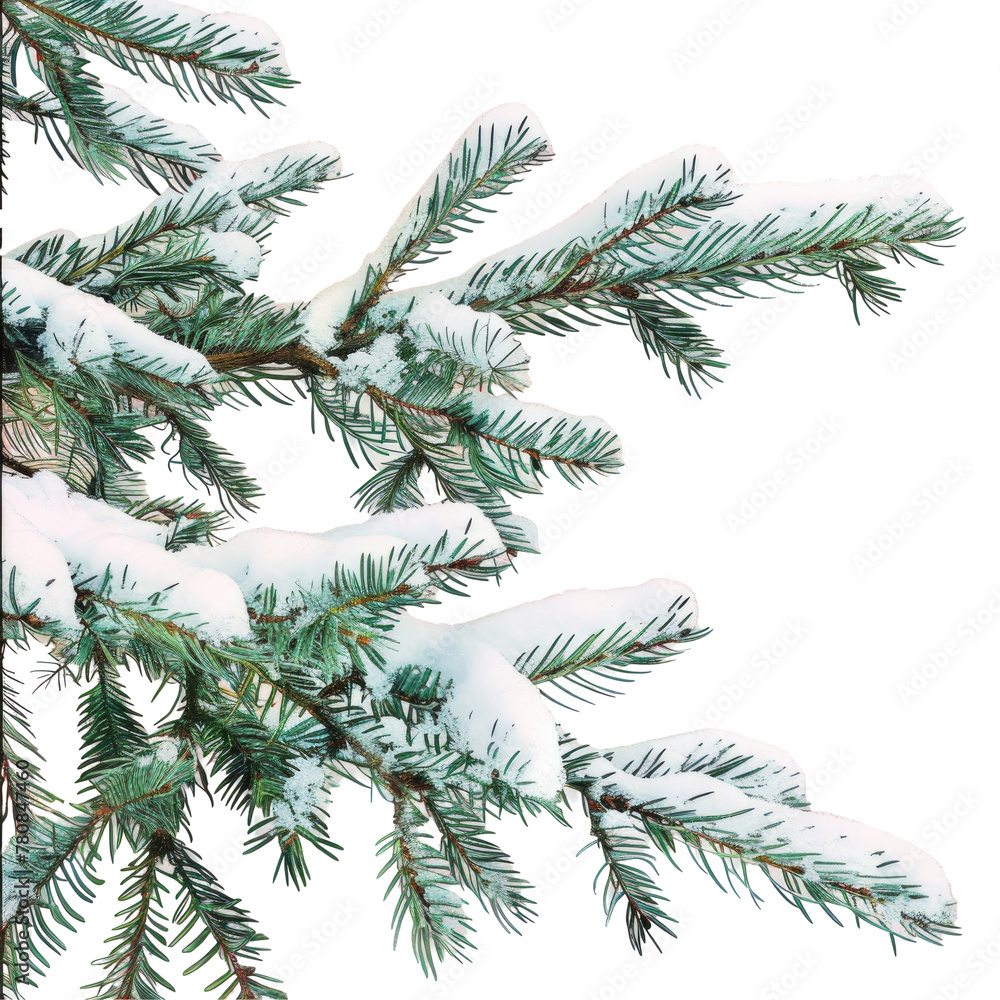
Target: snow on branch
(235,197)
(481,348)
(78,329)
(79,543)
(643,214)
(446,721)
(104,550)
(142,325)
(593,639)
(415,550)
(490,156)
(667,240)
(678,234)
(489,710)
(810,857)
(227,58)
(756,768)
(703,235)
(297,658)
(222,56)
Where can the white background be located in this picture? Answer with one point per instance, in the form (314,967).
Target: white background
(816,644)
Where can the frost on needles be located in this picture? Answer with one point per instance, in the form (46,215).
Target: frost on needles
(294,659)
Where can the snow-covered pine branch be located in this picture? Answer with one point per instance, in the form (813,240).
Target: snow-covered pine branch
(271,633)
(408,379)
(227,58)
(742,803)
(678,234)
(593,641)
(672,237)
(295,658)
(93,357)
(488,158)
(296,637)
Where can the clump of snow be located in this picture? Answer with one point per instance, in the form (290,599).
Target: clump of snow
(801,215)
(796,207)
(612,820)
(95,538)
(453,525)
(22,251)
(39,572)
(229,196)
(484,343)
(134,124)
(293,562)
(763,771)
(325,312)
(167,751)
(521,531)
(897,878)
(300,794)
(493,133)
(234,252)
(378,365)
(26,296)
(219,37)
(566,432)
(527,633)
(491,710)
(83,329)
(249,183)
(692,171)
(75,332)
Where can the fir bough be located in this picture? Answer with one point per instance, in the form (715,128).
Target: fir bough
(292,658)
